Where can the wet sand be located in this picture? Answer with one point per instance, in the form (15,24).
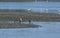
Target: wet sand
(19,26)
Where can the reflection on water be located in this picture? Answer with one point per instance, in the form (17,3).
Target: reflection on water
(48,30)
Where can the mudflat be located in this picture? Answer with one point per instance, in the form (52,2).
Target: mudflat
(33,16)
(19,26)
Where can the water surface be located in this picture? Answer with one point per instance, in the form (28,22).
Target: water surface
(30,5)
(48,30)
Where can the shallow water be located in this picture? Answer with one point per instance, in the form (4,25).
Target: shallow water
(53,7)
(37,6)
(48,30)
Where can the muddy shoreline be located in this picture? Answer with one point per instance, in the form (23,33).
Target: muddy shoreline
(19,26)
(44,17)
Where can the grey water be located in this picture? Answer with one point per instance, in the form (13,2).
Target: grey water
(48,30)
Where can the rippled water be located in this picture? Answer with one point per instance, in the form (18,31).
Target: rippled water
(48,30)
